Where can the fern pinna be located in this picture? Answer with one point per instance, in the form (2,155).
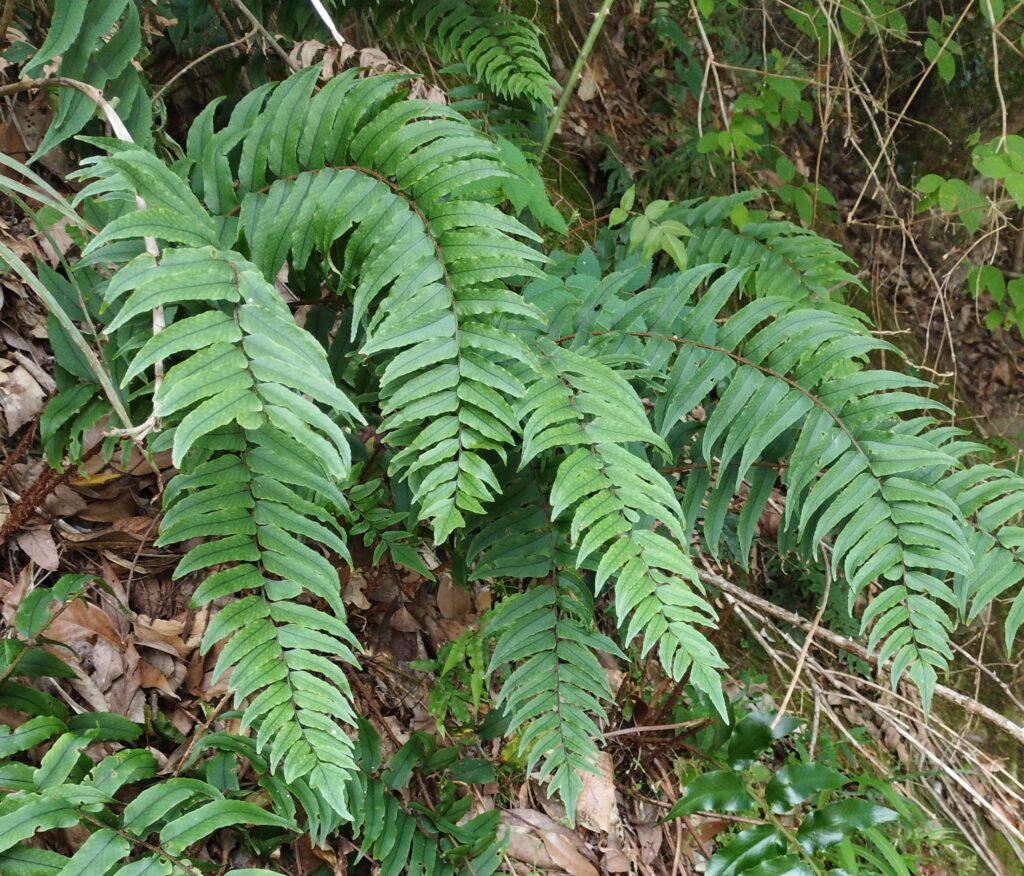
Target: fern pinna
(480,38)
(573,421)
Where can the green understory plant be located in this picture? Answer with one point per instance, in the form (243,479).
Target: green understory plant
(329,273)
(799,818)
(141,822)
(1001,166)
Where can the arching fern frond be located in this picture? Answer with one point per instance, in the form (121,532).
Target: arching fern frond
(259,461)
(785,260)
(616,497)
(494,46)
(782,383)
(554,687)
(993,498)
(396,198)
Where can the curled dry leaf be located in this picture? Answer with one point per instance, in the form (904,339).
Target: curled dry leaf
(596,808)
(161,635)
(403,621)
(539,841)
(614,861)
(650,837)
(453,602)
(22,398)
(354,590)
(150,677)
(64,502)
(40,547)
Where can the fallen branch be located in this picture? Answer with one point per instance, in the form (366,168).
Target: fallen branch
(968,704)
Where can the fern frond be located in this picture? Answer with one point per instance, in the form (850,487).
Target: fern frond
(68,790)
(96,41)
(254,446)
(784,259)
(555,696)
(406,185)
(494,46)
(781,382)
(414,839)
(396,195)
(993,498)
(581,406)
(554,689)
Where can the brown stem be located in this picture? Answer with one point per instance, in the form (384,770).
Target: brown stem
(5,19)
(47,481)
(19,450)
(968,704)
(228,29)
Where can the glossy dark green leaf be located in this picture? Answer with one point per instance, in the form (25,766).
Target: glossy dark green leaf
(718,791)
(473,770)
(745,850)
(795,782)
(105,727)
(193,826)
(31,701)
(34,612)
(33,662)
(825,827)
(33,732)
(754,734)
(789,865)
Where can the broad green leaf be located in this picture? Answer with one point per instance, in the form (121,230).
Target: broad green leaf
(65,25)
(98,854)
(716,791)
(747,848)
(796,782)
(28,861)
(31,733)
(179,834)
(32,814)
(825,827)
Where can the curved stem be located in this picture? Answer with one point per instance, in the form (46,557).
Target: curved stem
(574,75)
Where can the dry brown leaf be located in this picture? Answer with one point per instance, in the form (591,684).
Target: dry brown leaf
(39,545)
(614,861)
(537,840)
(588,86)
(354,590)
(650,837)
(452,601)
(484,600)
(89,691)
(163,635)
(122,696)
(23,398)
(1001,372)
(64,502)
(403,621)
(182,721)
(80,620)
(596,808)
(45,381)
(151,677)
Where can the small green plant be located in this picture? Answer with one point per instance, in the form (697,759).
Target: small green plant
(1000,162)
(807,818)
(460,672)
